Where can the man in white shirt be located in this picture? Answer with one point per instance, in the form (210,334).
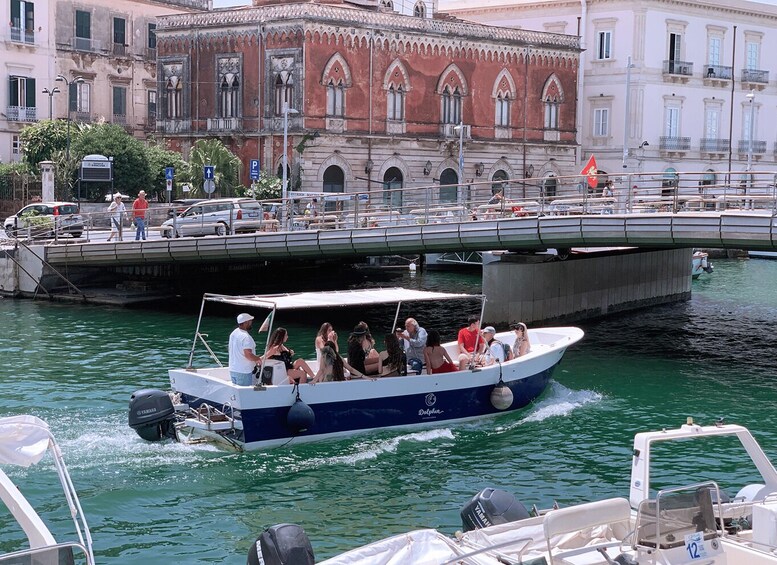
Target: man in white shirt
(496,350)
(242,355)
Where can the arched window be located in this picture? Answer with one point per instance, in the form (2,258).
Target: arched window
(420,10)
(174,90)
(284,90)
(503,110)
(392,188)
(451,105)
(498,181)
(449,180)
(551,112)
(335,98)
(396,103)
(334,179)
(229,95)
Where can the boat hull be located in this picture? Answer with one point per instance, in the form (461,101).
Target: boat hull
(344,408)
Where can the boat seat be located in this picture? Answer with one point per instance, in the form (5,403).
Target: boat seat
(279,376)
(604,515)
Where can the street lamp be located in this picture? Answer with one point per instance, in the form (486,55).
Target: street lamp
(460,129)
(284,182)
(51,92)
(61,78)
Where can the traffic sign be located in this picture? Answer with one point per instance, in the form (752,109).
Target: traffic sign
(254,169)
(169,173)
(209,186)
(208,172)
(169,185)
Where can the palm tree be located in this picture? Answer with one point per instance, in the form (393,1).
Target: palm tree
(227,166)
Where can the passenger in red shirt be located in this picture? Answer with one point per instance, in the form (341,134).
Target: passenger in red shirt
(139,208)
(468,338)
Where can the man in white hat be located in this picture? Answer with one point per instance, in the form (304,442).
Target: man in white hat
(495,351)
(242,355)
(139,208)
(116,210)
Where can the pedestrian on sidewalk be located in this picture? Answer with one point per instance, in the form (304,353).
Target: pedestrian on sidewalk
(139,208)
(116,210)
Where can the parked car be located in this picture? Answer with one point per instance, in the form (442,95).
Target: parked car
(43,219)
(215,217)
(178,207)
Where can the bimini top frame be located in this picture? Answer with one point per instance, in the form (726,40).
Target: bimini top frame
(327,299)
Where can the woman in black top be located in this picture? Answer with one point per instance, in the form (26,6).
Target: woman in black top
(297,370)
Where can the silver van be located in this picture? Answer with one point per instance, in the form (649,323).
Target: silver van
(215,217)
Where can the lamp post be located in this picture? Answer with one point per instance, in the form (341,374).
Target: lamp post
(284,182)
(460,129)
(61,78)
(751,99)
(51,92)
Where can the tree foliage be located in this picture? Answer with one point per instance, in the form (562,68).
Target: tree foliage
(131,171)
(43,139)
(159,158)
(227,166)
(267,187)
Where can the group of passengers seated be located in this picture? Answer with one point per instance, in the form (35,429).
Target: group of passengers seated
(408,350)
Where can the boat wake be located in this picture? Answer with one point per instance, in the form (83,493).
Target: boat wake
(372,449)
(561,402)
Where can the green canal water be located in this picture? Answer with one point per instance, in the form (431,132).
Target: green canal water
(76,366)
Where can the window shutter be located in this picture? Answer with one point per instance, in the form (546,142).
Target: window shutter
(16,14)
(72,97)
(13,91)
(29,16)
(30,93)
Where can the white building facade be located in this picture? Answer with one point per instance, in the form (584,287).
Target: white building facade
(701,94)
(26,68)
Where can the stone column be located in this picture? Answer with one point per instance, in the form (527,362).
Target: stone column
(47,179)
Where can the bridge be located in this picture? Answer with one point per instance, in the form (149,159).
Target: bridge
(730,229)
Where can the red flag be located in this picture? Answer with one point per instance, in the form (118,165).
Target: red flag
(590,171)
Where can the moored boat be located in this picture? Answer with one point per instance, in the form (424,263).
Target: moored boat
(662,522)
(700,264)
(206,404)
(24,441)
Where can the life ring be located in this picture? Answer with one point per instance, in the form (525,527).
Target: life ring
(518,211)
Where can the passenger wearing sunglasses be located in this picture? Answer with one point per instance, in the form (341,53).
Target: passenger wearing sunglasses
(521,345)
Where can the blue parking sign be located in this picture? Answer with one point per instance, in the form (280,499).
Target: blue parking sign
(254,169)
(169,173)
(207,172)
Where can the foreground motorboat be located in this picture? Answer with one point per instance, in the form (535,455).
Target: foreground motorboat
(24,440)
(656,525)
(206,404)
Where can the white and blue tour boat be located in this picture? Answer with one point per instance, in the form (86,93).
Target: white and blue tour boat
(204,403)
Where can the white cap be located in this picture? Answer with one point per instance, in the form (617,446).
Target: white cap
(243,318)
(489,330)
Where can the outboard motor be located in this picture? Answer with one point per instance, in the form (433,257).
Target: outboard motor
(282,544)
(152,415)
(491,506)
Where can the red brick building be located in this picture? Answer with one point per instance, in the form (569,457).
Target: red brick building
(378,94)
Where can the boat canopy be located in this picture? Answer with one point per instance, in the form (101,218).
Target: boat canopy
(328,299)
(25,440)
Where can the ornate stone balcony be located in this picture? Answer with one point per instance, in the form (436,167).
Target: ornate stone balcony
(224,124)
(21,114)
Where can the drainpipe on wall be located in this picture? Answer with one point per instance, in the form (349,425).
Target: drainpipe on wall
(581,25)
(369,127)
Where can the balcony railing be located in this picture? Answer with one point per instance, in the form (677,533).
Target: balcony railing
(224,124)
(150,53)
(759,146)
(119,50)
(19,35)
(669,143)
(85,44)
(683,68)
(21,114)
(756,76)
(718,72)
(451,130)
(711,145)
(173,126)
(120,119)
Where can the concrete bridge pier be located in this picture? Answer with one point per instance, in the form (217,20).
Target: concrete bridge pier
(531,288)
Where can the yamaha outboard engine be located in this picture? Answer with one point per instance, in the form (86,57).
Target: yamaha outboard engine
(152,415)
(282,544)
(491,506)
